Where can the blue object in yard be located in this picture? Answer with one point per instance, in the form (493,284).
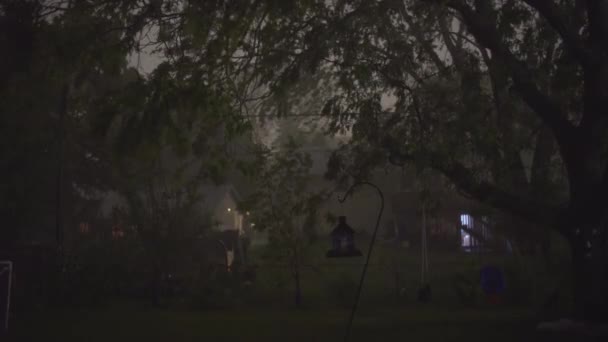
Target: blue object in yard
(492,280)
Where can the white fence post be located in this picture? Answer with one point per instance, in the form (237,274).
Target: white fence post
(6,271)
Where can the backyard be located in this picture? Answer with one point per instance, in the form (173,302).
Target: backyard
(267,170)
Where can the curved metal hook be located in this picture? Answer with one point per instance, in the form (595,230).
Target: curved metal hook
(355,185)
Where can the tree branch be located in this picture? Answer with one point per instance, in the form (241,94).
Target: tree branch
(451,45)
(417,31)
(597,15)
(540,214)
(549,111)
(573,42)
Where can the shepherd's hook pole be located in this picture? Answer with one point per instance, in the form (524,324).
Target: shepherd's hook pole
(369,252)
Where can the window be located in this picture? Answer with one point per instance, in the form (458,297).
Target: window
(466,241)
(466,220)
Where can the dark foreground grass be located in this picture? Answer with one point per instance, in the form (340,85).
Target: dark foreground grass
(413,324)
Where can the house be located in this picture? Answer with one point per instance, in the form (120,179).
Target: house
(230,227)
(221,202)
(453,221)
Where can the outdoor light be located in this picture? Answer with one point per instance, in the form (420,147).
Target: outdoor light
(229,209)
(343,241)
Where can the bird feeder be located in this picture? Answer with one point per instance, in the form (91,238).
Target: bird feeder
(343,241)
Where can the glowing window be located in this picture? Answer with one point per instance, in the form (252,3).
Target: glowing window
(466,241)
(466,220)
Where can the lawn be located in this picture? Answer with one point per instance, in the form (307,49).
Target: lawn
(264,315)
(411,324)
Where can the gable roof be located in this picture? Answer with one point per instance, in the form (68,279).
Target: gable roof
(212,195)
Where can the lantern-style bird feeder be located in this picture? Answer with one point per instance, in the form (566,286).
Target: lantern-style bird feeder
(343,241)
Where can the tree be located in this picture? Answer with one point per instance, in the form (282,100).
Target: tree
(475,85)
(162,208)
(76,122)
(285,207)
(169,136)
(51,73)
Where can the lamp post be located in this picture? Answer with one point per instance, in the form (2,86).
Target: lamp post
(350,248)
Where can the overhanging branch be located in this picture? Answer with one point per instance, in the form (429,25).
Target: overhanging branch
(573,42)
(535,212)
(488,36)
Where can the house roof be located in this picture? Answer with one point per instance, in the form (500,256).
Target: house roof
(213,194)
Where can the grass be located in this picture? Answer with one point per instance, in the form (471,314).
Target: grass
(267,317)
(412,324)
(331,278)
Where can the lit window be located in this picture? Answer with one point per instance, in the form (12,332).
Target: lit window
(253,224)
(466,220)
(466,241)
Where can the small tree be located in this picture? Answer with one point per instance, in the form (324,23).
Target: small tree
(162,209)
(284,206)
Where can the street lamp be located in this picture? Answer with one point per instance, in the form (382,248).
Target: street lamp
(343,245)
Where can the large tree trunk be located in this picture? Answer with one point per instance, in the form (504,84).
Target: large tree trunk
(590,273)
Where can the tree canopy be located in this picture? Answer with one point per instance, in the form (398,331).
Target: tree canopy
(464,87)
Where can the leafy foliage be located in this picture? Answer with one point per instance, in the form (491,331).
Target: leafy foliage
(285,207)
(283,204)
